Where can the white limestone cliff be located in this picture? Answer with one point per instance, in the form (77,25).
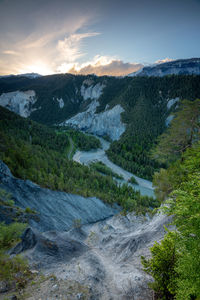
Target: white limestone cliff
(19,102)
(107,122)
(90,91)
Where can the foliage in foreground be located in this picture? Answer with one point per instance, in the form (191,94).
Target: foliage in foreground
(162,267)
(182,180)
(184,205)
(14,271)
(10,234)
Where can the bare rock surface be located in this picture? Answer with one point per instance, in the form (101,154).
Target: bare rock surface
(19,102)
(56,210)
(107,122)
(91,91)
(111,265)
(103,254)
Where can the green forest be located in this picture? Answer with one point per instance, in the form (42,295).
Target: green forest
(144,100)
(175,262)
(145,104)
(81,141)
(35,152)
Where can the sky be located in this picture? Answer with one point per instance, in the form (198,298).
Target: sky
(105,37)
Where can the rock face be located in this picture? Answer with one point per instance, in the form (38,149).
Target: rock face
(48,248)
(104,256)
(171,102)
(60,102)
(176,67)
(105,123)
(28,241)
(19,102)
(168,120)
(90,91)
(57,210)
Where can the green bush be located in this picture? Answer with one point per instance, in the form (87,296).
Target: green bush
(10,234)
(162,266)
(28,210)
(5,198)
(133,180)
(14,270)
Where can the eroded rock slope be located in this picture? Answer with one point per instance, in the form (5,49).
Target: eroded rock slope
(104,254)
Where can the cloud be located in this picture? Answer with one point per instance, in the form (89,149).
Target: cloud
(103,65)
(10,52)
(161,61)
(43,39)
(69,48)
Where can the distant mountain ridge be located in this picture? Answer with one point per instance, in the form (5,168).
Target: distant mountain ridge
(27,75)
(175,67)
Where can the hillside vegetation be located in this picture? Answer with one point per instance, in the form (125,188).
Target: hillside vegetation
(34,151)
(81,141)
(144,100)
(175,262)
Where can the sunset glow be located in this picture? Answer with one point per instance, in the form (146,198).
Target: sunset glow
(105,37)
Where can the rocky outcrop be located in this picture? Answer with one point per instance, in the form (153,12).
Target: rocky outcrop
(28,241)
(19,102)
(89,90)
(168,120)
(107,122)
(56,210)
(49,248)
(171,102)
(60,102)
(104,256)
(174,67)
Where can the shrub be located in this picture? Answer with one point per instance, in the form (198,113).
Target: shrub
(10,234)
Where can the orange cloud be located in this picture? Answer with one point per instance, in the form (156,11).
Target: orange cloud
(161,61)
(105,66)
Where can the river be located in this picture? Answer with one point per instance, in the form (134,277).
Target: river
(86,157)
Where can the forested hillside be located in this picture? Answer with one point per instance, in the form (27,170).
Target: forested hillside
(144,100)
(145,115)
(35,152)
